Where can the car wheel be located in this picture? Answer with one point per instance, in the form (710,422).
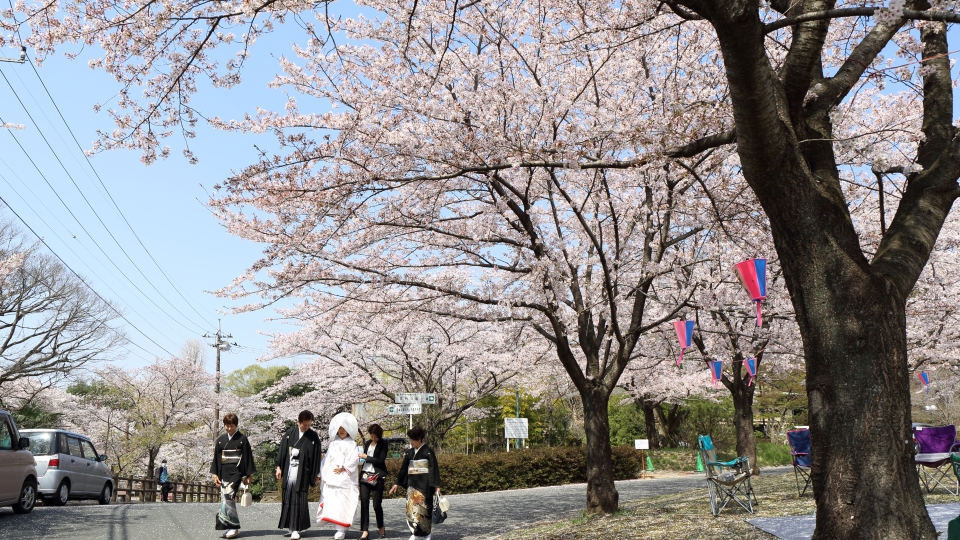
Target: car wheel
(62,495)
(28,497)
(105,494)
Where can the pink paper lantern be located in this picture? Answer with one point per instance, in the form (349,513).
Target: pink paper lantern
(684,336)
(753,277)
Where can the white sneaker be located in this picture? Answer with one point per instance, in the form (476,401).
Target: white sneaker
(340,535)
(232,533)
(294,535)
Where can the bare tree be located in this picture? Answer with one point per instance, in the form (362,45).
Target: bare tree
(51,324)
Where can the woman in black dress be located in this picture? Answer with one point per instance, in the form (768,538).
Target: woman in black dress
(298,465)
(232,465)
(420,475)
(375,454)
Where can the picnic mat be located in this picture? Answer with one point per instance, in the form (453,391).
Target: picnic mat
(801,527)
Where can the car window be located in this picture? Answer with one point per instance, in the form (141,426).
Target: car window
(6,435)
(62,446)
(88,451)
(74,446)
(41,444)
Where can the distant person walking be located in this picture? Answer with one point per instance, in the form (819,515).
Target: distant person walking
(298,465)
(420,475)
(232,465)
(340,475)
(375,454)
(163,480)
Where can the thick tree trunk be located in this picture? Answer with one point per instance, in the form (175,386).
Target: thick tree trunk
(743,421)
(858,388)
(650,423)
(602,496)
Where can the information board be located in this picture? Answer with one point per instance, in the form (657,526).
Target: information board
(410,408)
(515,428)
(641,444)
(416,397)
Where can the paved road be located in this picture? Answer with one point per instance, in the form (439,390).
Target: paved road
(472,516)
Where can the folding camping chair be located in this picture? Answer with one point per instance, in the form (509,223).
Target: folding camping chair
(799,440)
(934,465)
(724,487)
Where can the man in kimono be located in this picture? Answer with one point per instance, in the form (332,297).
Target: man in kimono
(341,475)
(420,475)
(298,465)
(232,465)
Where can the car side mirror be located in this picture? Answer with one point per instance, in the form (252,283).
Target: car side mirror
(103,457)
(24,443)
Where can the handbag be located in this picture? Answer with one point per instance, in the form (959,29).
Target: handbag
(440,507)
(371,479)
(247,498)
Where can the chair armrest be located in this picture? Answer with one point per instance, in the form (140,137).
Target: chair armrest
(955,447)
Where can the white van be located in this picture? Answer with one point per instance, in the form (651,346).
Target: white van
(18,470)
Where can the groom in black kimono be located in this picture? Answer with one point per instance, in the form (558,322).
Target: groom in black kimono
(298,465)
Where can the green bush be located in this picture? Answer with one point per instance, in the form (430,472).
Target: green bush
(673,459)
(534,467)
(771,454)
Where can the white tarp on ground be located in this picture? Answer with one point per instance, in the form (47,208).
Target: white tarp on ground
(801,527)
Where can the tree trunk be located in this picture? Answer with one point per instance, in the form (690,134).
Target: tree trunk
(670,422)
(151,470)
(743,421)
(602,496)
(650,423)
(858,388)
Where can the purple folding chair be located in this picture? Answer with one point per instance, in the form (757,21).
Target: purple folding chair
(934,445)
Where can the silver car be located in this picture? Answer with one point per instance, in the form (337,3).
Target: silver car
(68,467)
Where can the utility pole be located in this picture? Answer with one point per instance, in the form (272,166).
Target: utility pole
(22,59)
(219,344)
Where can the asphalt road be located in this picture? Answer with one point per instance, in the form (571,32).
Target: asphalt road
(471,516)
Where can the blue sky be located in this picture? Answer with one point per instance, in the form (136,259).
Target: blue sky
(162,202)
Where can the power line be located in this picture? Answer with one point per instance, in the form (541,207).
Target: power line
(75,218)
(115,310)
(109,232)
(92,254)
(107,191)
(67,245)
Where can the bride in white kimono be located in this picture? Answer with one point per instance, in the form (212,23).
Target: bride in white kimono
(339,475)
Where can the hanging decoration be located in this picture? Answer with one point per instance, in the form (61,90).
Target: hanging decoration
(925,379)
(684,336)
(716,370)
(753,277)
(751,365)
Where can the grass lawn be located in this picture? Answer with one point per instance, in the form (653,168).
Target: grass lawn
(687,516)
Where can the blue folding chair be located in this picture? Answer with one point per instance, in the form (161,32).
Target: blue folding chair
(730,486)
(799,440)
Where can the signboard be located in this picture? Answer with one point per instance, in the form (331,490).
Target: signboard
(429,399)
(515,428)
(641,444)
(412,408)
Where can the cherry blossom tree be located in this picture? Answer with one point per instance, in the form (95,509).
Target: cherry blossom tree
(368,357)
(134,414)
(543,124)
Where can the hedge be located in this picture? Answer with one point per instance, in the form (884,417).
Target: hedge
(533,467)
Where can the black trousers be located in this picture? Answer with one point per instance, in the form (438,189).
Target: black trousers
(365,493)
(165,488)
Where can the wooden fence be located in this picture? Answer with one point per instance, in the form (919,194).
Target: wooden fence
(144,490)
